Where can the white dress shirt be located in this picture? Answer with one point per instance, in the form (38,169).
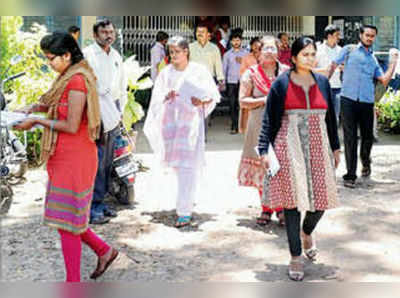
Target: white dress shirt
(112,83)
(325,55)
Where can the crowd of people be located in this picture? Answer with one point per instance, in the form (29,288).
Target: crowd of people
(287,100)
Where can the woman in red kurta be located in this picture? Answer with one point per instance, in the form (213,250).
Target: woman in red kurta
(68,146)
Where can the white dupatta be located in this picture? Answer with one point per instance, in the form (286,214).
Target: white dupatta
(175,129)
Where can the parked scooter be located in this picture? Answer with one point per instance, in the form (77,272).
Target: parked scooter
(13,157)
(124,169)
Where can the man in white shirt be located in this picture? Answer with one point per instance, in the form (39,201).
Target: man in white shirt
(326,53)
(206,53)
(112,89)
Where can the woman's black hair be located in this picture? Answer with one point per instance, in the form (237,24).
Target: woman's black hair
(299,44)
(60,43)
(254,40)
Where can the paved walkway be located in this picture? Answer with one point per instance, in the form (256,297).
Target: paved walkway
(360,241)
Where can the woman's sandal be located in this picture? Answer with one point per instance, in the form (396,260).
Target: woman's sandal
(281,218)
(99,272)
(311,252)
(264,219)
(295,270)
(183,221)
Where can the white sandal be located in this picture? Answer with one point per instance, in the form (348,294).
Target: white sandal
(298,274)
(312,252)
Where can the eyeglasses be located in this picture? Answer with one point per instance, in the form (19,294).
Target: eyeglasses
(272,50)
(52,58)
(176,52)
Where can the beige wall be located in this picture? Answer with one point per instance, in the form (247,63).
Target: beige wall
(309,25)
(87,30)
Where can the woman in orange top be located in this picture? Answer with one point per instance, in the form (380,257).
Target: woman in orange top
(248,61)
(251,59)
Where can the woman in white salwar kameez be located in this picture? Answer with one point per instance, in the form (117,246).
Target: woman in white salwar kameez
(184,95)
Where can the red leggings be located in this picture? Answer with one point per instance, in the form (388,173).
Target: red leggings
(266,208)
(72,246)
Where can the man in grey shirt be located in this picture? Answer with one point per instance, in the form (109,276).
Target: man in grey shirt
(158,53)
(231,67)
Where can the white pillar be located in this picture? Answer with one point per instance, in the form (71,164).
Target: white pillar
(87,30)
(309,25)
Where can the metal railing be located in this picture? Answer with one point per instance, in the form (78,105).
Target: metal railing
(139,32)
(268,25)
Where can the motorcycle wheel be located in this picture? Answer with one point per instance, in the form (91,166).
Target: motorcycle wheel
(126,194)
(5,198)
(23,167)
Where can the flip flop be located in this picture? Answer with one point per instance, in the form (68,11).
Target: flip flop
(263,220)
(183,221)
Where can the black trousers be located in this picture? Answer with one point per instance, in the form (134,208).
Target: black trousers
(232,91)
(357,114)
(292,220)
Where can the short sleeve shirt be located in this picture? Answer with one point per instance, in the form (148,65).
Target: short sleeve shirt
(360,69)
(77,83)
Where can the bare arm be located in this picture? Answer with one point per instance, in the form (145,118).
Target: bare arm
(245,96)
(76,105)
(331,69)
(385,79)
(34,108)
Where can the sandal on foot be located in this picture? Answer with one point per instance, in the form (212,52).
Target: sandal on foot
(99,272)
(183,221)
(295,270)
(264,219)
(281,218)
(311,252)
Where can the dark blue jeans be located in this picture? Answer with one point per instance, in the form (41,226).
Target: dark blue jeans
(232,91)
(336,101)
(105,151)
(357,114)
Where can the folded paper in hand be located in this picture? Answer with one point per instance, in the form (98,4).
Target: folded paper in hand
(10,119)
(189,87)
(274,165)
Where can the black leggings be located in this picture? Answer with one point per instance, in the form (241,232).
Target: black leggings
(292,219)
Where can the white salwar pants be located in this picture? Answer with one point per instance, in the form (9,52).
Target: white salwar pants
(186,190)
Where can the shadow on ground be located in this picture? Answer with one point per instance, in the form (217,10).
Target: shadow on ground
(168,218)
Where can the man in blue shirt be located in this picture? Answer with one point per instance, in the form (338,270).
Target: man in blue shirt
(231,67)
(357,99)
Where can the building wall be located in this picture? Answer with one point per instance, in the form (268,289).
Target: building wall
(309,25)
(388,30)
(53,23)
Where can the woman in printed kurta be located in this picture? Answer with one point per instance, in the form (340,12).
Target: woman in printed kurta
(254,88)
(183,95)
(68,147)
(300,124)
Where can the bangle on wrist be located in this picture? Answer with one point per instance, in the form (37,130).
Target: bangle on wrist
(52,124)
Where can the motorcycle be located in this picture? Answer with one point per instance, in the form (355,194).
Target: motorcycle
(13,156)
(124,168)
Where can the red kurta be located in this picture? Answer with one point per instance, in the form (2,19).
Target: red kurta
(72,171)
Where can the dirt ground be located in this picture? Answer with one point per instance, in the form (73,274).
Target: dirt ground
(360,241)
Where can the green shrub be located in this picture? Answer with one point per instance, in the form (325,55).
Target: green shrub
(27,89)
(389,112)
